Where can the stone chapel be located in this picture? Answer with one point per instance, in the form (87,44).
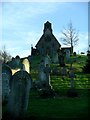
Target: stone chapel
(48,44)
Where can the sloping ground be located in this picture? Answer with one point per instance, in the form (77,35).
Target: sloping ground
(60,107)
(60,82)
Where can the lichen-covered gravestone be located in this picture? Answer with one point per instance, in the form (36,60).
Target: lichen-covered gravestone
(67,54)
(26,63)
(15,64)
(61,60)
(55,57)
(6,76)
(47,90)
(72,91)
(47,71)
(47,60)
(41,76)
(19,94)
(63,71)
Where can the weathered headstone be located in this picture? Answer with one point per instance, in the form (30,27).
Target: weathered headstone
(26,65)
(72,76)
(72,91)
(30,58)
(47,71)
(47,60)
(74,53)
(16,64)
(6,76)
(71,66)
(54,57)
(47,90)
(61,60)
(63,71)
(41,75)
(19,94)
(67,54)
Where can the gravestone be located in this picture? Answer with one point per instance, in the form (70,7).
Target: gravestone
(47,90)
(41,75)
(47,71)
(67,54)
(6,76)
(12,63)
(61,60)
(16,64)
(26,65)
(72,76)
(30,60)
(47,60)
(74,53)
(72,91)
(54,57)
(71,66)
(19,94)
(63,71)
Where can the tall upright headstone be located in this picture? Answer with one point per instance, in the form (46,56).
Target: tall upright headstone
(47,60)
(41,74)
(54,57)
(15,64)
(47,71)
(72,91)
(61,60)
(27,65)
(19,94)
(6,76)
(67,54)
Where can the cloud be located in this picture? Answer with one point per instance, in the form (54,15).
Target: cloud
(22,21)
(17,11)
(21,47)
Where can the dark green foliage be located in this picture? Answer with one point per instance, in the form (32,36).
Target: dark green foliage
(86,68)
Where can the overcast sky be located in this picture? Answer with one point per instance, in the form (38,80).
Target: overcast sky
(23,23)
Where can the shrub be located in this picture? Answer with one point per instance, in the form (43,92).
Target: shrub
(86,68)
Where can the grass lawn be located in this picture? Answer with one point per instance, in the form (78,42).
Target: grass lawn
(60,107)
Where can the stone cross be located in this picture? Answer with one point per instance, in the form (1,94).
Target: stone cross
(72,76)
(47,71)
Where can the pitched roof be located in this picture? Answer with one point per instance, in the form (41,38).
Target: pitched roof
(43,37)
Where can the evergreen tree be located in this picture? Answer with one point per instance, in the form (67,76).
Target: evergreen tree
(86,68)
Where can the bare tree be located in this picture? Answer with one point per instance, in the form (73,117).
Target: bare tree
(4,56)
(71,36)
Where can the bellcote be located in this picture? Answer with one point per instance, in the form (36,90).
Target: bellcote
(47,28)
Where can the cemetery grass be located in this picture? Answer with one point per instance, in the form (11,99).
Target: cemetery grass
(60,107)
